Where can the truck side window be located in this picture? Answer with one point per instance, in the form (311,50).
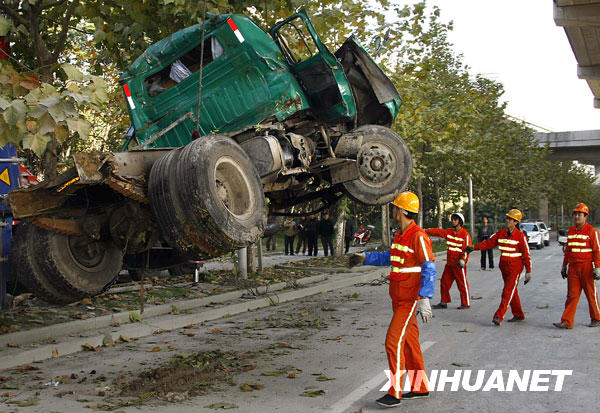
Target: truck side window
(183,67)
(296,42)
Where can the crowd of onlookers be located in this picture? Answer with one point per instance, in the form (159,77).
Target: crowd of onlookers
(304,234)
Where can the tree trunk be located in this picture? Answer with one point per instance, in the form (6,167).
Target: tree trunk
(438,206)
(420,195)
(49,160)
(251,252)
(339,234)
(385,227)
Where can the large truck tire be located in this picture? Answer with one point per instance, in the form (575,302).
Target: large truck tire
(76,266)
(26,270)
(207,198)
(384,164)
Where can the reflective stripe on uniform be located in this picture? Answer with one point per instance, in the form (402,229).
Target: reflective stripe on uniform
(401,247)
(399,373)
(454,249)
(503,248)
(512,293)
(424,250)
(406,269)
(577,244)
(395,258)
(508,241)
(455,238)
(464,272)
(454,244)
(508,254)
(581,250)
(579,236)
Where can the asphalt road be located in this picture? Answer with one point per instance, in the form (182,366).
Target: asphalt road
(342,353)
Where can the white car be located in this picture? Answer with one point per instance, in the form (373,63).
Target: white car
(545,232)
(534,234)
(544,229)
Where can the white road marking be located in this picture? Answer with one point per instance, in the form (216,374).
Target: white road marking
(374,383)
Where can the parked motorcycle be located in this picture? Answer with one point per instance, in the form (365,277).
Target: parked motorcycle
(362,236)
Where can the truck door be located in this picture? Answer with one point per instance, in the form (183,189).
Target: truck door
(318,71)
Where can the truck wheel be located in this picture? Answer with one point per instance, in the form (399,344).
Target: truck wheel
(26,269)
(207,198)
(384,164)
(76,266)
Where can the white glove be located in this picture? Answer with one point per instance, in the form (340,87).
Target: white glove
(596,273)
(424,308)
(527,278)
(461,263)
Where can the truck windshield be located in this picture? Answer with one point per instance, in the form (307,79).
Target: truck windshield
(184,66)
(296,42)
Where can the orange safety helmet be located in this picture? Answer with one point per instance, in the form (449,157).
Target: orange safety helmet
(581,207)
(407,201)
(515,214)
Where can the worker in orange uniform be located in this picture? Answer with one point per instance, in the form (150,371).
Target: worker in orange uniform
(457,239)
(412,282)
(514,255)
(581,266)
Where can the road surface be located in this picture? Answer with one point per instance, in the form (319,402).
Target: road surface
(334,343)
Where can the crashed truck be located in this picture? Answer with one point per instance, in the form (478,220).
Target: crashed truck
(281,118)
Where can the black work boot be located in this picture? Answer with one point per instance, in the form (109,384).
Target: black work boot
(440,305)
(463,307)
(496,321)
(594,323)
(388,401)
(515,319)
(413,395)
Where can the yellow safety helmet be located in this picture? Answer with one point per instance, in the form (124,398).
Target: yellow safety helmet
(515,214)
(407,201)
(581,207)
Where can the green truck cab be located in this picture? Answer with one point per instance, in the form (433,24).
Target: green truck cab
(230,123)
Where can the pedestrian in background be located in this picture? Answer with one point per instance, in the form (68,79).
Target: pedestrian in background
(326,233)
(349,230)
(457,239)
(514,255)
(581,266)
(272,230)
(301,234)
(289,231)
(412,283)
(312,235)
(485,232)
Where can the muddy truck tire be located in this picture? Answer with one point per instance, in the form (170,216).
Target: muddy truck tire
(28,272)
(384,164)
(207,198)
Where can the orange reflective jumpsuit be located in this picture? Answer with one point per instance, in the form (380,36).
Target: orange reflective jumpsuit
(582,254)
(514,254)
(456,243)
(408,252)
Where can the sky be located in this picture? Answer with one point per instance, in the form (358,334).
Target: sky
(517,43)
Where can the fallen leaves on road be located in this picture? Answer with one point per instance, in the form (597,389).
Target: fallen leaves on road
(312,393)
(542,307)
(465,330)
(154,349)
(247,387)
(457,364)
(221,405)
(55,353)
(325,378)
(135,317)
